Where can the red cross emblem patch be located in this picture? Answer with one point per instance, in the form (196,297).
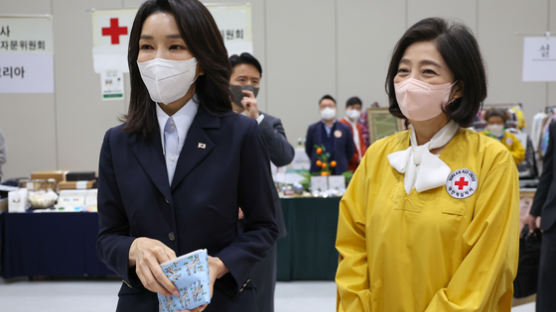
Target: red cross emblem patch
(462,183)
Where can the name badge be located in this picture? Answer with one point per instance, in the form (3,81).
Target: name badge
(462,183)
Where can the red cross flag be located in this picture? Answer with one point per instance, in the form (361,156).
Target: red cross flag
(114,31)
(111,29)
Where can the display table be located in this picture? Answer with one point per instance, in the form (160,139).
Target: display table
(308,252)
(64,244)
(1,239)
(50,244)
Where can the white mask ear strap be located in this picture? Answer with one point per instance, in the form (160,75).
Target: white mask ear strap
(454,84)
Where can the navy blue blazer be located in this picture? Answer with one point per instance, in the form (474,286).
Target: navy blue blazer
(343,145)
(223,165)
(544,204)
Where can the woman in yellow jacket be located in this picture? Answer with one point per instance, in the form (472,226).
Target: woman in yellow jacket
(430,219)
(496,121)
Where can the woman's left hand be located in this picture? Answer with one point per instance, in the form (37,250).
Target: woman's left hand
(217,269)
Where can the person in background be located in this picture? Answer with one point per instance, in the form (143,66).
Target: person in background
(353,112)
(430,219)
(245,82)
(364,122)
(3,157)
(496,128)
(544,208)
(334,136)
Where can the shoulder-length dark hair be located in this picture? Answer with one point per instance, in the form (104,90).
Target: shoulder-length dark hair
(460,51)
(203,39)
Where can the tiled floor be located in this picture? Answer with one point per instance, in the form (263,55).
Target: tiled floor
(85,296)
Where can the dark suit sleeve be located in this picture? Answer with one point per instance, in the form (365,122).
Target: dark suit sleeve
(280,150)
(113,239)
(255,199)
(546,177)
(309,142)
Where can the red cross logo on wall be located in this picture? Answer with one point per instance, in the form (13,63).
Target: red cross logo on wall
(114,31)
(461,183)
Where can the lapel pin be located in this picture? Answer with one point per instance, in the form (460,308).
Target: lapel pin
(201,145)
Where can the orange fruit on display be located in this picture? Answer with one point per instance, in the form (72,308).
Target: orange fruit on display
(324,165)
(333,164)
(319,151)
(318,163)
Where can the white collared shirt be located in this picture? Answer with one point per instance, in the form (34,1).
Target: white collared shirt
(327,128)
(259,119)
(183,119)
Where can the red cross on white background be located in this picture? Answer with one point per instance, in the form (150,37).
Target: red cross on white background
(461,183)
(114,31)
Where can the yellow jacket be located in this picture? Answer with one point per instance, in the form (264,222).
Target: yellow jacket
(429,251)
(512,143)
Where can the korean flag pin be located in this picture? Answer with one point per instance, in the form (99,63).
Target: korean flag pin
(201,145)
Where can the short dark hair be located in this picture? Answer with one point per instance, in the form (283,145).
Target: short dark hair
(245,58)
(460,51)
(354,100)
(327,97)
(202,37)
(494,112)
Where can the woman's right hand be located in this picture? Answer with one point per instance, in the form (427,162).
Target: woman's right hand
(531,221)
(146,255)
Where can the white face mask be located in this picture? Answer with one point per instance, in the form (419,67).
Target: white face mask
(328,113)
(353,114)
(168,80)
(496,130)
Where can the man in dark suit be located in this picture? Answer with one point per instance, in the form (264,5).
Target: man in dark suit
(333,135)
(244,84)
(544,207)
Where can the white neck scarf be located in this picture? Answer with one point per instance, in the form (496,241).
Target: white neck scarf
(424,170)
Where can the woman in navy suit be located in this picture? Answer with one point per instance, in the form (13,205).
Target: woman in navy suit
(172,176)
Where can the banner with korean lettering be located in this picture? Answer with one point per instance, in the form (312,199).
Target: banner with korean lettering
(539,59)
(26,54)
(234,23)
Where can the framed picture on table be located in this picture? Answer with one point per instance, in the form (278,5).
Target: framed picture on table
(382,123)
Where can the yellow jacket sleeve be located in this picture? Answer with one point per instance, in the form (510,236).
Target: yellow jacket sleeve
(484,279)
(517,150)
(352,277)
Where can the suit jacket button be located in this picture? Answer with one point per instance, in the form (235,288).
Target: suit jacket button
(166,201)
(172,236)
